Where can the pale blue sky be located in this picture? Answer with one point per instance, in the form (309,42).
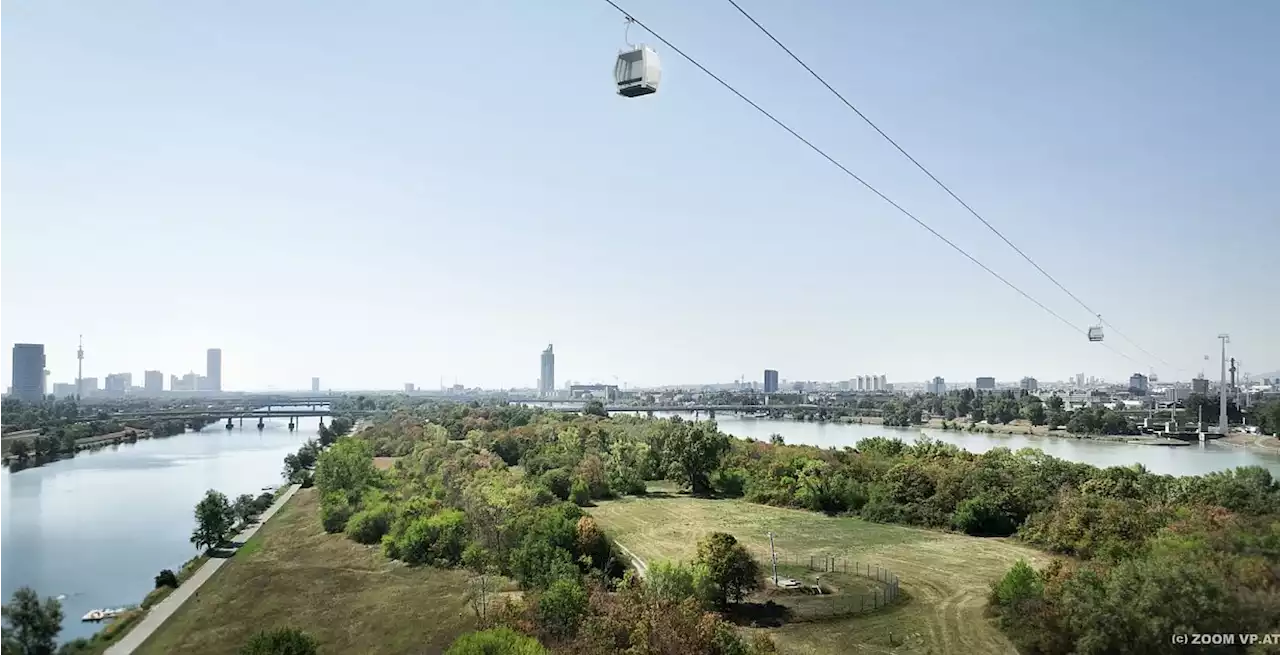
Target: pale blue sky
(385,192)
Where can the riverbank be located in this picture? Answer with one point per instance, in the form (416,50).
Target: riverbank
(350,597)
(161,611)
(1259,442)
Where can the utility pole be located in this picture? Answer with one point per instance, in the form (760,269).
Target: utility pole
(1222,391)
(773,557)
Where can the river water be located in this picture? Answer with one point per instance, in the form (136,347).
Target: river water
(1195,459)
(98,527)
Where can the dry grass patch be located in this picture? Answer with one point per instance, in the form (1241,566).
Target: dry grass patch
(945,576)
(349,596)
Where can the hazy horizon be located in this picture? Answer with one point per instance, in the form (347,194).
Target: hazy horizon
(375,195)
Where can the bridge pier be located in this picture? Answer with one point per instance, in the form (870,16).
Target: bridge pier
(291,420)
(241,421)
(230,426)
(261,424)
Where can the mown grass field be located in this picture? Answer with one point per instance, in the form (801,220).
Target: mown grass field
(349,596)
(946,577)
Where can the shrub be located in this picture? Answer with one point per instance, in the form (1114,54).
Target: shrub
(558,481)
(166,578)
(673,582)
(335,510)
(496,641)
(561,607)
(368,525)
(437,539)
(154,596)
(580,493)
(281,641)
(729,482)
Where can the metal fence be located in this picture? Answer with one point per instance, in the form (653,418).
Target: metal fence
(831,586)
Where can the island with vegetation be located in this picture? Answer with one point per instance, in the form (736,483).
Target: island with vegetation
(469,528)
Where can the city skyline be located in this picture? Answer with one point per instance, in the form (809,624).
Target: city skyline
(1077,149)
(121,382)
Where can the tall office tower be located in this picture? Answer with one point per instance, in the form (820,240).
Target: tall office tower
(153,382)
(315,385)
(28,372)
(547,382)
(770,381)
(213,369)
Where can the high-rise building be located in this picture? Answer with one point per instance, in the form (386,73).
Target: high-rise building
(118,383)
(88,387)
(153,382)
(984,384)
(61,390)
(1029,384)
(28,372)
(937,386)
(409,387)
(770,381)
(1200,385)
(213,369)
(315,385)
(1079,380)
(1138,383)
(882,383)
(547,382)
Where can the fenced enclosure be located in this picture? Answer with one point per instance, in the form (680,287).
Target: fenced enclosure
(814,587)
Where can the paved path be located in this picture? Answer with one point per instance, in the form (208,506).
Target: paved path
(161,612)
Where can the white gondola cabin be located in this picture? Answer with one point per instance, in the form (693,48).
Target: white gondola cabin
(637,72)
(1095,332)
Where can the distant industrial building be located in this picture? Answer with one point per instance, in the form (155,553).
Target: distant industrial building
(936,386)
(547,381)
(315,385)
(1029,384)
(984,384)
(770,381)
(607,392)
(1138,384)
(1199,385)
(213,370)
(153,382)
(28,372)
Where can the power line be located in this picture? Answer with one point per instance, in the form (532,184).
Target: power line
(933,177)
(850,173)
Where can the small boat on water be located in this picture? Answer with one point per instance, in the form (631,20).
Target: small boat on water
(101,614)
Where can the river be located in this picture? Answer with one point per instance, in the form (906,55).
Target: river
(98,527)
(1196,459)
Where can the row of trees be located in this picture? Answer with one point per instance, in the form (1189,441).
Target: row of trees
(217,517)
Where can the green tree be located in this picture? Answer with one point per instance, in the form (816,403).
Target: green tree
(166,578)
(244,508)
(730,567)
(595,408)
(214,520)
(281,641)
(346,467)
(561,608)
(496,641)
(694,451)
(30,626)
(1035,413)
(674,582)
(580,493)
